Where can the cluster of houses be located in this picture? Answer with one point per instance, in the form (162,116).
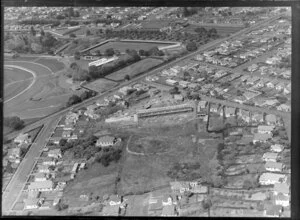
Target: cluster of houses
(115,205)
(14,153)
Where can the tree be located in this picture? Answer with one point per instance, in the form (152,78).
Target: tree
(77,55)
(42,33)
(142,52)
(70,12)
(206,204)
(191,46)
(72,35)
(88,32)
(212,33)
(186,76)
(32,31)
(126,77)
(247,184)
(63,142)
(174,90)
(14,122)
(37,48)
(109,52)
(74,99)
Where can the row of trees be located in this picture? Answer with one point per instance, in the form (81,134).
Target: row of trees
(13,122)
(24,43)
(74,99)
(102,71)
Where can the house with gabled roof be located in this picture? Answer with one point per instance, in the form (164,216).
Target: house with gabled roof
(230,111)
(265,129)
(273,211)
(258,137)
(271,178)
(277,148)
(271,119)
(283,188)
(270,156)
(282,200)
(274,166)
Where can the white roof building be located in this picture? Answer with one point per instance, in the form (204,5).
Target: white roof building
(41,186)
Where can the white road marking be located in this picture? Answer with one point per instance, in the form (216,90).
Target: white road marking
(34,63)
(31,84)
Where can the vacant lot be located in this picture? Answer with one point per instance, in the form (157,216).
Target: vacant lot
(53,64)
(123,46)
(101,85)
(184,158)
(134,69)
(95,181)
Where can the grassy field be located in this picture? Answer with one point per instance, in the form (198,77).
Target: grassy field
(95,181)
(134,69)
(101,85)
(123,46)
(142,173)
(15,81)
(222,30)
(53,64)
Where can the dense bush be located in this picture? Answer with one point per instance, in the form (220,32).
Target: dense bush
(13,122)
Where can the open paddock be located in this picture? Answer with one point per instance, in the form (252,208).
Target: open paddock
(100,85)
(134,69)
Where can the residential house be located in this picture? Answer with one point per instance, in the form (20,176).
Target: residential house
(171,82)
(40,177)
(258,117)
(230,111)
(106,141)
(272,84)
(169,211)
(270,102)
(31,203)
(33,194)
(66,134)
(111,210)
(271,119)
(199,189)
(49,161)
(271,178)
(115,200)
(287,90)
(184,84)
(41,186)
(14,153)
(270,156)
(178,97)
(202,105)
(244,78)
(273,211)
(283,188)
(22,139)
(274,166)
(261,137)
(261,83)
(180,186)
(167,200)
(56,153)
(43,169)
(245,115)
(282,200)
(193,85)
(284,107)
(263,129)
(214,107)
(69,127)
(280,86)
(277,148)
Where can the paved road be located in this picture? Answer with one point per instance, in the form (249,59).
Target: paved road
(91,100)
(18,181)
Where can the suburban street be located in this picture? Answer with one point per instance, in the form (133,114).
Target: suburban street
(15,186)
(12,192)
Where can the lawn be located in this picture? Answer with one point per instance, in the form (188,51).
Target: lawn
(12,75)
(14,89)
(123,46)
(101,85)
(134,69)
(53,64)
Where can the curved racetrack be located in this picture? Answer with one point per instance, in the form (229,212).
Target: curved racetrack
(31,90)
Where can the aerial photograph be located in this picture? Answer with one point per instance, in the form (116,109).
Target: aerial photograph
(147,111)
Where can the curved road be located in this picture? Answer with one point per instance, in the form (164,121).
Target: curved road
(31,84)
(17,182)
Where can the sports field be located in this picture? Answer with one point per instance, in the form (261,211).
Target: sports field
(123,46)
(134,69)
